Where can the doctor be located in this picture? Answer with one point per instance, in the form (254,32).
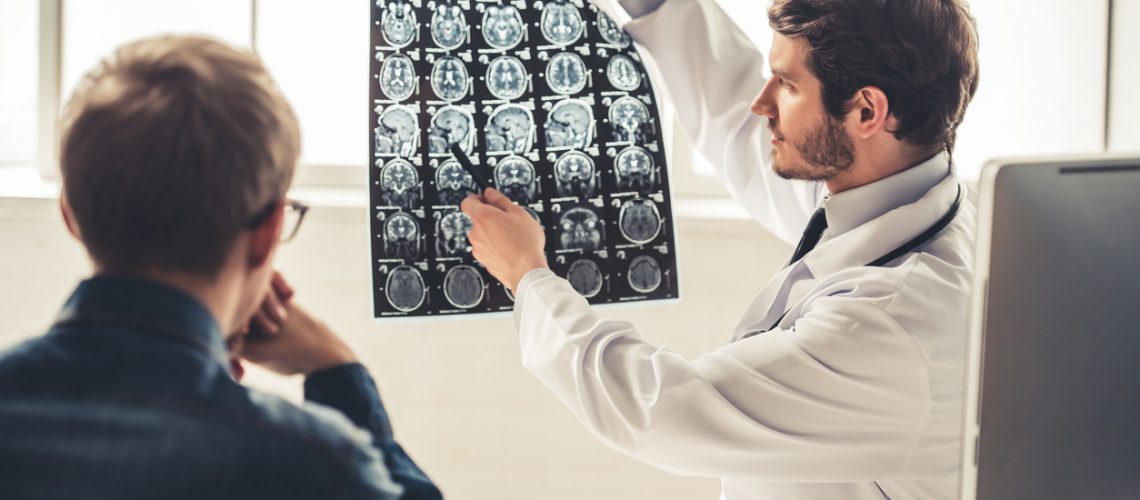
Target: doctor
(843,379)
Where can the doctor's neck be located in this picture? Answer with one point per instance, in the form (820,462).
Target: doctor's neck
(877,158)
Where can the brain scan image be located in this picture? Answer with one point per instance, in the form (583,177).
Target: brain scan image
(405,288)
(449,78)
(611,32)
(634,170)
(585,277)
(574,175)
(561,23)
(644,274)
(506,77)
(515,177)
(581,229)
(398,24)
(402,237)
(623,73)
(510,129)
(463,287)
(554,106)
(397,132)
(639,221)
(451,125)
(630,120)
(451,234)
(448,27)
(502,26)
(397,77)
(566,73)
(453,183)
(400,184)
(570,124)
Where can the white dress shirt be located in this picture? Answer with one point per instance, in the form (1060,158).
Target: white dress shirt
(856,393)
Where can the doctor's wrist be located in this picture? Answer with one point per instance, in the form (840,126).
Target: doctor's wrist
(522,269)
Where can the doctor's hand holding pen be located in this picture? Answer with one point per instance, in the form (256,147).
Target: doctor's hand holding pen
(504,237)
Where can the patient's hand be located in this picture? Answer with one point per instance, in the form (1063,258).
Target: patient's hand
(292,341)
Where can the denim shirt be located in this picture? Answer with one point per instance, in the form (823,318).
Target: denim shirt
(129,395)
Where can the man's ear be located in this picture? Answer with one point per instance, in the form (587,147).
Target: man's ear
(263,238)
(68,217)
(873,110)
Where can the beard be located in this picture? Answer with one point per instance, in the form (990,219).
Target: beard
(826,153)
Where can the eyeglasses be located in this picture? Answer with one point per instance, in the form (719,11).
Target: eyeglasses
(294,213)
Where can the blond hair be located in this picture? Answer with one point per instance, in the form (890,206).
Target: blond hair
(169,148)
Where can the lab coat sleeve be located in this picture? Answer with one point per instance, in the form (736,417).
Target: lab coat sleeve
(843,397)
(712,72)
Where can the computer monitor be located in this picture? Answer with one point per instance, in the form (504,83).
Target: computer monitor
(1053,385)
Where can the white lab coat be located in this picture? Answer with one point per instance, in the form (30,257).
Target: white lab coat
(857,393)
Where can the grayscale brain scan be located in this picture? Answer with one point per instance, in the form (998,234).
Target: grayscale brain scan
(574,175)
(449,78)
(581,229)
(398,24)
(550,103)
(401,237)
(453,183)
(451,125)
(570,124)
(463,287)
(397,77)
(405,288)
(639,221)
(515,177)
(586,278)
(611,32)
(396,132)
(400,184)
(502,26)
(451,234)
(506,77)
(623,73)
(448,27)
(510,129)
(561,23)
(629,118)
(644,274)
(634,170)
(566,73)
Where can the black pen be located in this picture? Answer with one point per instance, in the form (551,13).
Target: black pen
(466,163)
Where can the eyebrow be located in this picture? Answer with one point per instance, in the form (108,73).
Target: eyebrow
(782,74)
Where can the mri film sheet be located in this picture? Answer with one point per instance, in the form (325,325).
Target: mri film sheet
(552,103)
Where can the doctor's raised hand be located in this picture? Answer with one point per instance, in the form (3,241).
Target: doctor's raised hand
(504,237)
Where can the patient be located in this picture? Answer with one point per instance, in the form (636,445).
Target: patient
(176,155)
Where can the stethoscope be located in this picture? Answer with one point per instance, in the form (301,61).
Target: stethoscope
(903,249)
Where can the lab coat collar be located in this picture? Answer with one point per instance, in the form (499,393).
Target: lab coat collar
(879,236)
(855,207)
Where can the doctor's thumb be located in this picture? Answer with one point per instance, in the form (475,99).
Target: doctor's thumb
(495,197)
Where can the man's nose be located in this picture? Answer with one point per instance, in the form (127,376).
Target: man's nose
(764,104)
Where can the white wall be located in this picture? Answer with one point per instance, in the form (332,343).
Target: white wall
(1124,125)
(460,401)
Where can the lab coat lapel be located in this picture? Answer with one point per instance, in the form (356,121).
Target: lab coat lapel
(862,245)
(855,248)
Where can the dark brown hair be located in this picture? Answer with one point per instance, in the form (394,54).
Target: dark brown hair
(169,148)
(923,54)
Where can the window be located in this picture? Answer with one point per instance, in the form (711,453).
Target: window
(1043,90)
(19,98)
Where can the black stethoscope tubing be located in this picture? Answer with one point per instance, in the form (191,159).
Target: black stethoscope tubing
(903,249)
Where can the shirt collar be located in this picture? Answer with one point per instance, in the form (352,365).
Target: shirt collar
(855,207)
(148,306)
(879,236)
